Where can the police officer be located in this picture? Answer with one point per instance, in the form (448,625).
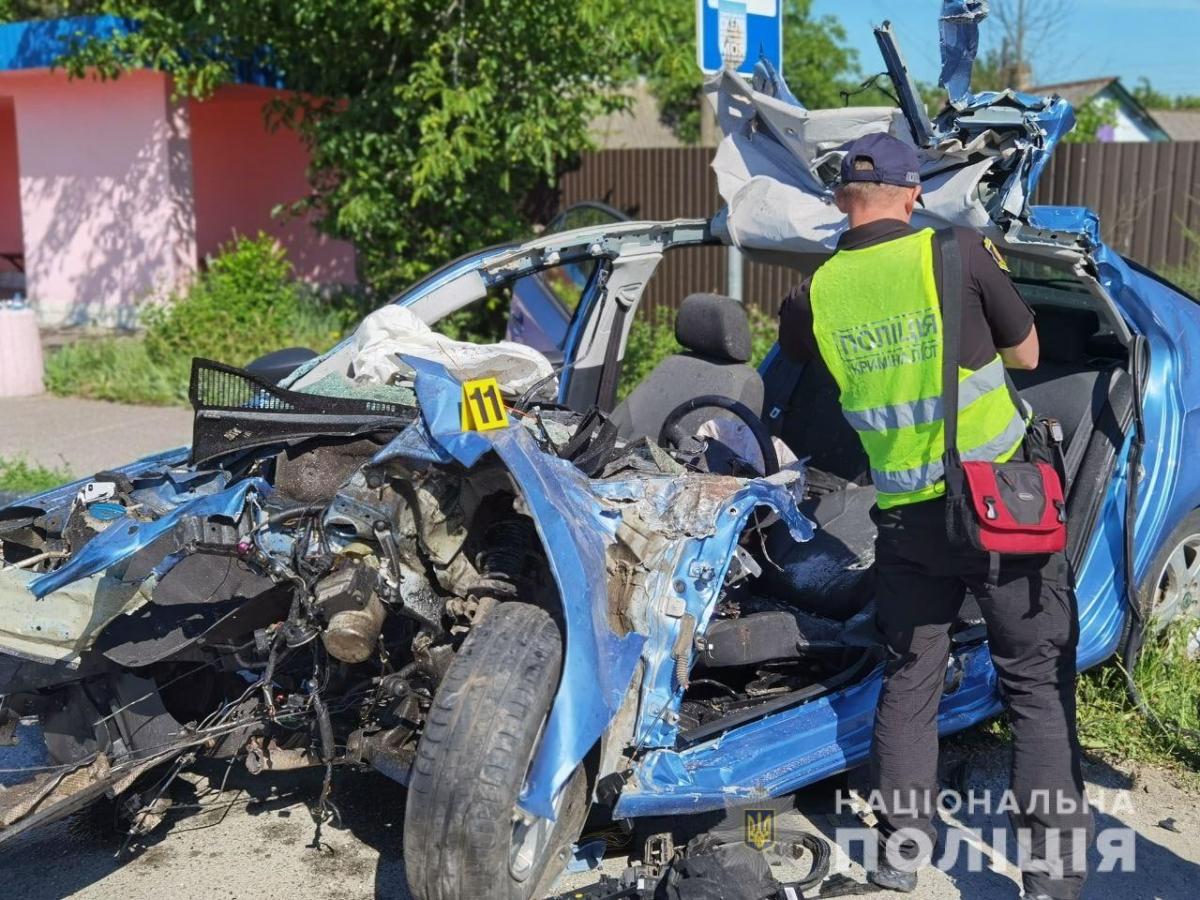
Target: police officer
(883,281)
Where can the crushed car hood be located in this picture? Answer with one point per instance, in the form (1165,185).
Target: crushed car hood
(623,547)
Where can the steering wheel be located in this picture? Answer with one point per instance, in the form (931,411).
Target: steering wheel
(673,435)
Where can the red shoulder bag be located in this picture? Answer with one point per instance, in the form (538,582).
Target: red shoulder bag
(1011,508)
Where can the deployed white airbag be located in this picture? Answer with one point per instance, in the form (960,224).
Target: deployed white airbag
(388,333)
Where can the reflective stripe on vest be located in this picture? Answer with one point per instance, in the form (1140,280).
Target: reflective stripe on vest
(878,325)
(923,476)
(918,412)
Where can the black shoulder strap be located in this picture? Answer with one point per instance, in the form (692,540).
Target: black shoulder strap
(949,258)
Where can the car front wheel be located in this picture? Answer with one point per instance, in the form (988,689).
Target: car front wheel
(464,835)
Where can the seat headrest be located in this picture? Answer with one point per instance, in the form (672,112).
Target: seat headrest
(714,325)
(1064,332)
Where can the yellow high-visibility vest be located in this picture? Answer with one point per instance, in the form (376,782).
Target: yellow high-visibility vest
(878,325)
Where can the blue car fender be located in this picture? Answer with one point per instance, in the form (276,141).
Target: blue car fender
(598,664)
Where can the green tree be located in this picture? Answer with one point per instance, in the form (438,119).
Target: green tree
(432,124)
(1151,98)
(817,63)
(1090,118)
(24,10)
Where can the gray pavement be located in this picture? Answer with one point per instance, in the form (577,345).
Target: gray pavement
(256,839)
(86,436)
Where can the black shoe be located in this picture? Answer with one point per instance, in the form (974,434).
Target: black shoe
(888,876)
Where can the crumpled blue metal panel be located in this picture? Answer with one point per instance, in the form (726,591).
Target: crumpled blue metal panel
(126,536)
(767,80)
(696,578)
(958,27)
(785,751)
(1078,220)
(66,493)
(599,663)
(437,435)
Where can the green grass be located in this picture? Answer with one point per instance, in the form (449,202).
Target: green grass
(1169,681)
(116,369)
(1110,727)
(1185,277)
(19,476)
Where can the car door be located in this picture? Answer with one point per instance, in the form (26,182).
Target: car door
(543,303)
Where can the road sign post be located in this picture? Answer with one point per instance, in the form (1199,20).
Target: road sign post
(735,34)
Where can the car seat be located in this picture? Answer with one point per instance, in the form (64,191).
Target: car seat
(1070,383)
(715,335)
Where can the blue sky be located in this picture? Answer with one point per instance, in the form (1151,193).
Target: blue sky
(1158,39)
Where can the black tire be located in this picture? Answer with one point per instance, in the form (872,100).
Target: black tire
(472,759)
(1156,586)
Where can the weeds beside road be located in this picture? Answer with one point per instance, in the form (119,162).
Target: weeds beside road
(1168,677)
(19,476)
(246,304)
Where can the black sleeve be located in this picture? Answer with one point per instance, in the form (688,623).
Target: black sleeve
(796,340)
(1008,315)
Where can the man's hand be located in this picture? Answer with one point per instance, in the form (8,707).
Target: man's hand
(1025,354)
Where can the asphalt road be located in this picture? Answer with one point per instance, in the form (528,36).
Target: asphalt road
(256,839)
(87,436)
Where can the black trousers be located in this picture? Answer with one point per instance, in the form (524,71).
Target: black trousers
(1033,630)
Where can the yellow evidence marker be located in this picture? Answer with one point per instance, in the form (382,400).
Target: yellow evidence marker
(482,406)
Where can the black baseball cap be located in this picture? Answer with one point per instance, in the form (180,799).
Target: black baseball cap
(881,159)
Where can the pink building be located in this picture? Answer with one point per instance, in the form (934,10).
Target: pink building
(112,193)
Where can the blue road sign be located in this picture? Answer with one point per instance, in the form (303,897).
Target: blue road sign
(738,31)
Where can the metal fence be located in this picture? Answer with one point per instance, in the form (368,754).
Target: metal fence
(669,183)
(1147,195)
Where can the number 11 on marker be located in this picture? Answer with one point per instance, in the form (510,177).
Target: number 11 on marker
(482,406)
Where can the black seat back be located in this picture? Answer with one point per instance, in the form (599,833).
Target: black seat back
(1068,385)
(715,335)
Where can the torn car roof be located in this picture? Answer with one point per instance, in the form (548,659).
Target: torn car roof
(981,157)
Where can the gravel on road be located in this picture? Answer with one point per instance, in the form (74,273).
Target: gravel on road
(257,839)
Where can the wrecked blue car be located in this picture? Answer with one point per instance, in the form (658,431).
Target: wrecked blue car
(561,603)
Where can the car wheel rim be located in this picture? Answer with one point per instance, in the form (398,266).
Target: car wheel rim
(530,834)
(529,838)
(1178,584)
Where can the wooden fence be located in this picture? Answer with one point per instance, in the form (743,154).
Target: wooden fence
(1147,195)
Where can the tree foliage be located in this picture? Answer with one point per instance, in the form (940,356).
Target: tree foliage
(1090,118)
(1151,98)
(24,10)
(432,124)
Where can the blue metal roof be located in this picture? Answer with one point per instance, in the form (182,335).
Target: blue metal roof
(39,45)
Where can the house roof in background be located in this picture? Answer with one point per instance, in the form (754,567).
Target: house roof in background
(639,126)
(39,44)
(1078,93)
(1179,124)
